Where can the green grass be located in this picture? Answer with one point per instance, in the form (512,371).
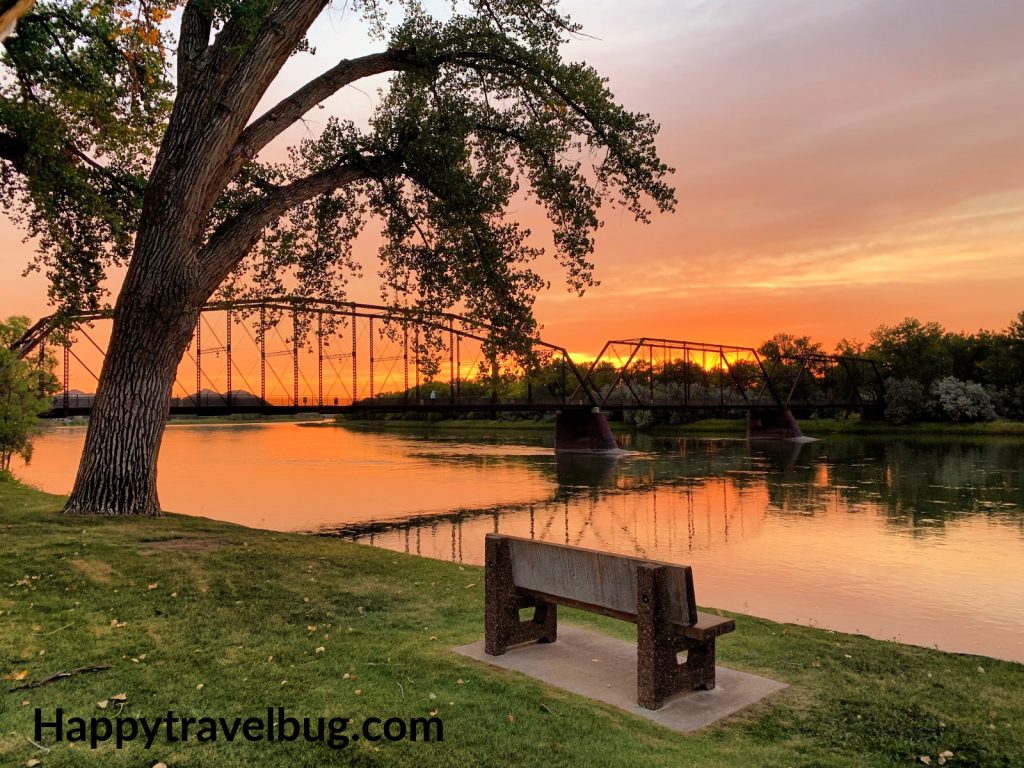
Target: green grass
(811,427)
(850,426)
(242,613)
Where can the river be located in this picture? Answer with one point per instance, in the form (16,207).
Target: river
(917,540)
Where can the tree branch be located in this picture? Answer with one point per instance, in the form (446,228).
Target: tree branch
(270,125)
(267,51)
(233,239)
(196,25)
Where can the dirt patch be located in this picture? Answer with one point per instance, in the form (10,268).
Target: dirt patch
(180,545)
(95,570)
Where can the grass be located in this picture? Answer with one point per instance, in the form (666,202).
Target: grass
(849,426)
(206,618)
(812,426)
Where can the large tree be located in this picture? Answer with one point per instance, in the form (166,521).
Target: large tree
(121,143)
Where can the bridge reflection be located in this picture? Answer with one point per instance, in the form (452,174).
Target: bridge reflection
(709,494)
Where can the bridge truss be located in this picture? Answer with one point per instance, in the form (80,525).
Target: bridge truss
(291,354)
(667,374)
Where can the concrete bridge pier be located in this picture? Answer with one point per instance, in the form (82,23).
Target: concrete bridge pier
(583,429)
(772,424)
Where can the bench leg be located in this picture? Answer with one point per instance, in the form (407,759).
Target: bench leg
(502,626)
(659,673)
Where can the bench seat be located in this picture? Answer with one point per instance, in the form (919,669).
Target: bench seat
(657,597)
(708,626)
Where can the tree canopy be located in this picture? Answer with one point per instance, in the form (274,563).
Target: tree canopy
(102,100)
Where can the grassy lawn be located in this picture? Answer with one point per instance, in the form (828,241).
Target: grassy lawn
(210,619)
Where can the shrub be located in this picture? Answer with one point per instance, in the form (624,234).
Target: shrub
(961,401)
(21,400)
(641,419)
(1009,402)
(905,400)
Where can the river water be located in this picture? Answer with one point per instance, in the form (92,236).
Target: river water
(917,540)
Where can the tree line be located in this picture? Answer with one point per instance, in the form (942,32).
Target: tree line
(932,374)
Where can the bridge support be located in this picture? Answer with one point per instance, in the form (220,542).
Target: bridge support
(583,429)
(772,425)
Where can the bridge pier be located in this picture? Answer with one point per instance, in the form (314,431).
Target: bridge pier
(772,425)
(583,429)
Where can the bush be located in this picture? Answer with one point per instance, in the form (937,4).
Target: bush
(905,400)
(1009,402)
(21,400)
(641,419)
(961,401)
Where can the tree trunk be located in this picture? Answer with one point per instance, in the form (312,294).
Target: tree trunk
(153,323)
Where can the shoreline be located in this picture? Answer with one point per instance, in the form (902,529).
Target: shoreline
(729,427)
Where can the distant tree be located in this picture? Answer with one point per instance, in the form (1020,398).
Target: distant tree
(1015,347)
(971,355)
(24,390)
(788,345)
(851,348)
(912,350)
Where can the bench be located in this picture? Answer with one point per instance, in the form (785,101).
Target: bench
(657,597)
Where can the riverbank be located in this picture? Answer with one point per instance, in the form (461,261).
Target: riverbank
(211,619)
(731,427)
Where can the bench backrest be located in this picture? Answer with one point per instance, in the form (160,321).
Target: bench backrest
(597,579)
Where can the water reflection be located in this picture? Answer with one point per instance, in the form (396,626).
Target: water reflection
(920,540)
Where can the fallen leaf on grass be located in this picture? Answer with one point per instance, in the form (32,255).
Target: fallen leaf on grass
(32,763)
(118,624)
(16,676)
(154,586)
(925,759)
(120,698)
(102,704)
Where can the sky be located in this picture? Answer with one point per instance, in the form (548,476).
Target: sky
(838,165)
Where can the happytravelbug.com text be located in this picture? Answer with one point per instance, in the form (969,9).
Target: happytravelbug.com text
(276,725)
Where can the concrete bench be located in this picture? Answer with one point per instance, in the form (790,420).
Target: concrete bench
(657,597)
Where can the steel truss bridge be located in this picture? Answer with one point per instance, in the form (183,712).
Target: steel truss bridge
(292,355)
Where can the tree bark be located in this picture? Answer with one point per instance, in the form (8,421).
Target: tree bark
(154,318)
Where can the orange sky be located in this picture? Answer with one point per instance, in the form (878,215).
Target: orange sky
(839,165)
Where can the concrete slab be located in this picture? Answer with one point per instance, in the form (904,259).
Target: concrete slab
(604,668)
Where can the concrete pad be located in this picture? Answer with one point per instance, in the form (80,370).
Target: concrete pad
(604,668)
